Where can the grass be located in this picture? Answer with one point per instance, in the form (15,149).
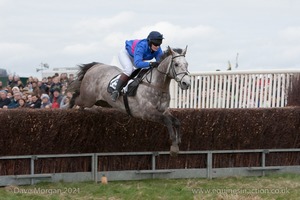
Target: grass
(277,187)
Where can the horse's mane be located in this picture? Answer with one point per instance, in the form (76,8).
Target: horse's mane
(166,53)
(84,68)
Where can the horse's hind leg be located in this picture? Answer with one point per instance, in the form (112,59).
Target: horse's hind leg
(84,102)
(73,99)
(78,101)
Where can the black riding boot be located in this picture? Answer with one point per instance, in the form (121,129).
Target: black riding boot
(121,83)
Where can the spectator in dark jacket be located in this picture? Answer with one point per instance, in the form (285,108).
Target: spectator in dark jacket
(4,101)
(10,80)
(36,102)
(14,81)
(14,102)
(20,85)
(55,85)
(35,89)
(43,86)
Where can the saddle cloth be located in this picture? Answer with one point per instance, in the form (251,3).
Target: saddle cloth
(132,85)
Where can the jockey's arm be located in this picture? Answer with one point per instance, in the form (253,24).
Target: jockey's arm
(138,59)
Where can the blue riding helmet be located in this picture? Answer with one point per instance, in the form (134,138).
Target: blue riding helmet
(155,37)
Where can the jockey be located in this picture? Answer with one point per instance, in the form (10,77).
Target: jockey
(134,55)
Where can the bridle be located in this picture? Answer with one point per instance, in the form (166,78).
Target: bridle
(171,73)
(171,70)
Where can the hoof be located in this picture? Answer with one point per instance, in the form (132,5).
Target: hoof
(174,150)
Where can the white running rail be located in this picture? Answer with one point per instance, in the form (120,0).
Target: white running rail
(234,89)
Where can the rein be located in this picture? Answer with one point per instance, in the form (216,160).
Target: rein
(149,82)
(170,71)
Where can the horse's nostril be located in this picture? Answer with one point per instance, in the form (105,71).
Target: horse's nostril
(185,85)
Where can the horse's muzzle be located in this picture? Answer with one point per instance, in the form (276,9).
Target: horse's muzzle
(185,82)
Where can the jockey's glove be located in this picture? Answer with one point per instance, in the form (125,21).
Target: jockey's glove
(153,64)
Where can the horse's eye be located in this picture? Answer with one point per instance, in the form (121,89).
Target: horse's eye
(176,64)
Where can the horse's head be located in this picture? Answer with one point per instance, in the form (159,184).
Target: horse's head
(178,69)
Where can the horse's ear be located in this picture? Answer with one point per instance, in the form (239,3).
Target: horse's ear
(171,52)
(184,51)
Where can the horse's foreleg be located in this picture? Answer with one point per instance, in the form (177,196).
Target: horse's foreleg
(169,124)
(172,124)
(176,123)
(176,126)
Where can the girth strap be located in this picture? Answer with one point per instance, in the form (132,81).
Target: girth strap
(125,99)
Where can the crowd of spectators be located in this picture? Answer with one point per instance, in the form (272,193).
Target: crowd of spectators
(48,93)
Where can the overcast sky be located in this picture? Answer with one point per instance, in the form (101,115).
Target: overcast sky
(65,33)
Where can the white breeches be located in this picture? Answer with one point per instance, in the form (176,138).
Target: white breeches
(126,61)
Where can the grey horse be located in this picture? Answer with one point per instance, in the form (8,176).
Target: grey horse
(152,99)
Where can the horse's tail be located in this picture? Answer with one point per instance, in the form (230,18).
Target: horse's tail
(74,87)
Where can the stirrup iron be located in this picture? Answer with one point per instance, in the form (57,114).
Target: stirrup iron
(115,95)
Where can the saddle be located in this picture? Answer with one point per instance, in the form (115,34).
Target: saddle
(132,85)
